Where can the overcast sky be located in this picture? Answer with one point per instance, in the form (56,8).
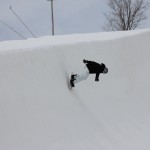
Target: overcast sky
(71,17)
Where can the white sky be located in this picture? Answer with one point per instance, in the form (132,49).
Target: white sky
(71,16)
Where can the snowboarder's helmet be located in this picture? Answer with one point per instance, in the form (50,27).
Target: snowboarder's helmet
(104,67)
(105,70)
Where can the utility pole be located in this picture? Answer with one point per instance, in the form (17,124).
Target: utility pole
(52,16)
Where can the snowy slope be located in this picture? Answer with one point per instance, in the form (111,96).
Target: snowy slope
(38,112)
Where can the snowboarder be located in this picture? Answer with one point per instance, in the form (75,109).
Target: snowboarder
(90,68)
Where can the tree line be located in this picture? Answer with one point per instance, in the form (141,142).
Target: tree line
(125,14)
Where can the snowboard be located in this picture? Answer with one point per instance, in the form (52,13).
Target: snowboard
(71,84)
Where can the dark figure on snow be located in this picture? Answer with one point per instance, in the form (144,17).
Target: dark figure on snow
(90,68)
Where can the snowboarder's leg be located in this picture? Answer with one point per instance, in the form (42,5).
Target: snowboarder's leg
(82,76)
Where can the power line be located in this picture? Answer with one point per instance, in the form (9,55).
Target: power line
(5,24)
(22,22)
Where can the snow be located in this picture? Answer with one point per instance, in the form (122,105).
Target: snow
(39,112)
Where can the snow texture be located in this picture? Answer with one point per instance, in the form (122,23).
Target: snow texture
(39,112)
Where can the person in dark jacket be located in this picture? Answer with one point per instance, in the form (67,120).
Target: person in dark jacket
(91,68)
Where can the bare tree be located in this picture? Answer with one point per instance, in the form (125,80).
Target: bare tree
(125,14)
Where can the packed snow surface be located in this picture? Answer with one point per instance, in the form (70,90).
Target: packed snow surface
(39,112)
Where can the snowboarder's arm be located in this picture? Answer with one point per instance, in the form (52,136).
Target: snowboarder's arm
(97,77)
(87,61)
